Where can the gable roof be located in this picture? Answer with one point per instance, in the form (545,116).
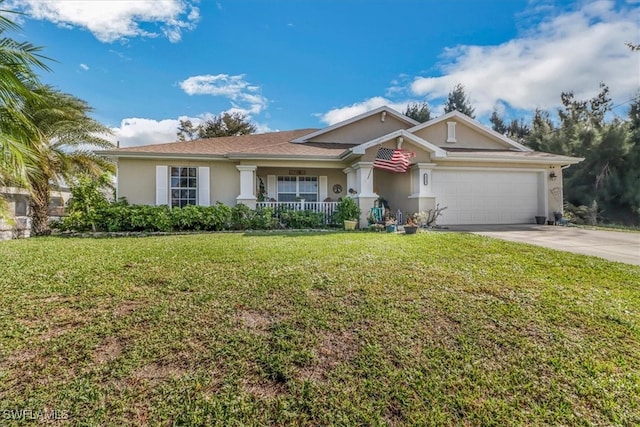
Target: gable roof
(475,125)
(261,144)
(435,150)
(384,108)
(287,145)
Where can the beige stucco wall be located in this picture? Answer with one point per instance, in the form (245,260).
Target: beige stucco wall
(363,130)
(466,137)
(395,188)
(137,179)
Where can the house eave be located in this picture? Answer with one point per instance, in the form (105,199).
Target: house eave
(143,155)
(454,157)
(243,156)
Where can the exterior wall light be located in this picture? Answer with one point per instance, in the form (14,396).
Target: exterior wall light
(553,176)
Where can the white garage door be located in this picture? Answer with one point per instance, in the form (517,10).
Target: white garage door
(487,197)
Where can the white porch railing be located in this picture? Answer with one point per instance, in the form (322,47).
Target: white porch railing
(325,208)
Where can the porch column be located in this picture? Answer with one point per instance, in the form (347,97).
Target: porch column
(364,187)
(247,183)
(351,178)
(421,186)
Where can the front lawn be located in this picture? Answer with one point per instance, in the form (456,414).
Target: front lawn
(316,329)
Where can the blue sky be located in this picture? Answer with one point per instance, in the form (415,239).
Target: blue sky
(143,65)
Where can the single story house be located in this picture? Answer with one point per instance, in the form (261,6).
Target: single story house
(453,161)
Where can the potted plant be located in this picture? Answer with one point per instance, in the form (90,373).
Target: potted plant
(347,213)
(390,223)
(411,227)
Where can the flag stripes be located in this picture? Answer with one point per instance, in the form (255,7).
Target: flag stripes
(394,160)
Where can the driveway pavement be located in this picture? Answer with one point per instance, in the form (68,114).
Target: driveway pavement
(612,245)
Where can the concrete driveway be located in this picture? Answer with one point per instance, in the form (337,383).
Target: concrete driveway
(611,245)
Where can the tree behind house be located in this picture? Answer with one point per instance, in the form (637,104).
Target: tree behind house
(227,124)
(420,112)
(459,101)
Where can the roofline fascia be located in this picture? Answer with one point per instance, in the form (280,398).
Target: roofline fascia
(241,156)
(557,161)
(415,139)
(143,155)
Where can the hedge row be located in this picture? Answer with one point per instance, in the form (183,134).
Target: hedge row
(117,217)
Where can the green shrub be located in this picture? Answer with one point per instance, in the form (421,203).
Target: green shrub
(301,219)
(241,217)
(265,219)
(346,210)
(123,217)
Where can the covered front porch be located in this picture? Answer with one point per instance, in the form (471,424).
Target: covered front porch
(320,189)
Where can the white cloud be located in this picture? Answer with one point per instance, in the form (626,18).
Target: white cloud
(84,67)
(112,20)
(136,131)
(244,97)
(337,115)
(574,51)
(571,51)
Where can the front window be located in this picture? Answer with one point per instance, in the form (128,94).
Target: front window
(292,188)
(183,187)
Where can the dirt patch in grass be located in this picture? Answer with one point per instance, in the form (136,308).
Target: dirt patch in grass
(442,329)
(263,389)
(18,357)
(126,308)
(158,372)
(333,349)
(57,330)
(108,350)
(254,321)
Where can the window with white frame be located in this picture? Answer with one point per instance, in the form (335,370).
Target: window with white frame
(183,186)
(292,188)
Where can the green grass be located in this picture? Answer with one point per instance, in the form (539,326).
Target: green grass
(317,329)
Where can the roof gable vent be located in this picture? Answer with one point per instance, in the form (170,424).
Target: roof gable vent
(451,132)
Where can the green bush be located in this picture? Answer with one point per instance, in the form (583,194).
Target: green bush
(241,217)
(123,217)
(346,210)
(265,219)
(301,219)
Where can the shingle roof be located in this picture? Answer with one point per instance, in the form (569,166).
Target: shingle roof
(272,143)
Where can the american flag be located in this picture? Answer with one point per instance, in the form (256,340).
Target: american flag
(394,160)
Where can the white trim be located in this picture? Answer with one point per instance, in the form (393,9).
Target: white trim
(272,187)
(452,157)
(485,168)
(162,185)
(323,191)
(202,183)
(384,108)
(474,124)
(433,149)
